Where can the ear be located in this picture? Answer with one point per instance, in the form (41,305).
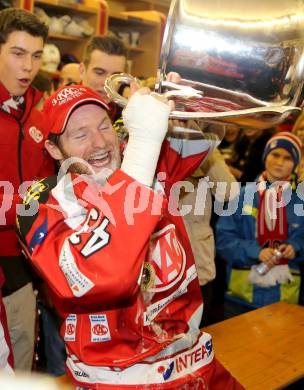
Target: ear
(81,70)
(53,150)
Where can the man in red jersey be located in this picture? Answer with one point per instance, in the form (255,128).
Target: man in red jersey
(113,249)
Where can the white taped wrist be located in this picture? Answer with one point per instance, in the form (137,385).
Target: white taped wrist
(140,160)
(146,119)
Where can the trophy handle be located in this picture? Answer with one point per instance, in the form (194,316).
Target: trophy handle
(112,85)
(113,82)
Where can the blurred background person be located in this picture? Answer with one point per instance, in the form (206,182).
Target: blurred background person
(266,231)
(246,158)
(69,75)
(103,57)
(44,83)
(198,221)
(232,133)
(23,158)
(298,130)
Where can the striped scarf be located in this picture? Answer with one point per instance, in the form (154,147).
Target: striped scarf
(272,220)
(272,231)
(13,105)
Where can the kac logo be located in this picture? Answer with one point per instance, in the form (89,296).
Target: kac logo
(67,94)
(168,258)
(35,134)
(100,330)
(70,329)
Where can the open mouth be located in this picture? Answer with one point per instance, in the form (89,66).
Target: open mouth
(100,160)
(24,82)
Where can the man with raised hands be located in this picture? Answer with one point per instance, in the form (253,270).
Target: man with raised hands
(113,249)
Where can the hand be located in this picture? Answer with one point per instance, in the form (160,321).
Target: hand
(179,125)
(267,256)
(173,77)
(146,115)
(287,251)
(134,86)
(146,118)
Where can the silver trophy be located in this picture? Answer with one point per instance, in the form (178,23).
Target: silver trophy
(240,62)
(263,268)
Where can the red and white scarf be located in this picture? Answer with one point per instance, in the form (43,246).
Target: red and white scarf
(13,105)
(272,229)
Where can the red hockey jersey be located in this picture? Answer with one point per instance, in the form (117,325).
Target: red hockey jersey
(121,271)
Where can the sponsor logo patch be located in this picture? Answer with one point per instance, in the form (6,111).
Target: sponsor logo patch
(188,361)
(81,374)
(99,328)
(78,282)
(68,94)
(166,372)
(36,134)
(70,328)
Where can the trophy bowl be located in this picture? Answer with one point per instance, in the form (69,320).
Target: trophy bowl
(239,62)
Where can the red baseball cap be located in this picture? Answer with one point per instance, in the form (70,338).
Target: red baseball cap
(59,106)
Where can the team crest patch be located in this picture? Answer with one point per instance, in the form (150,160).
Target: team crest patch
(34,192)
(36,134)
(168,258)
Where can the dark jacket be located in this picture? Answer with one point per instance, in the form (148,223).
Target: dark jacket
(247,155)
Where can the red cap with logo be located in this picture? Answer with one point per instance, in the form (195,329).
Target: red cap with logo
(59,106)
